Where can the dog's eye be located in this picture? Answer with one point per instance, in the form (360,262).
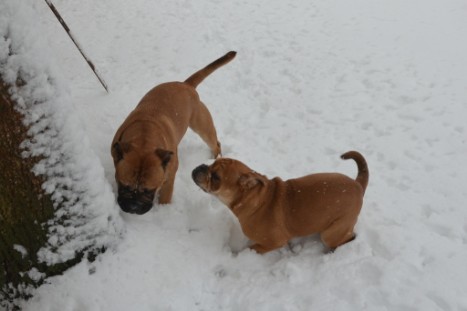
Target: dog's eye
(215,181)
(215,177)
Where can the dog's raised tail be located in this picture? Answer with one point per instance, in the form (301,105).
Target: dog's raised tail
(363,174)
(195,79)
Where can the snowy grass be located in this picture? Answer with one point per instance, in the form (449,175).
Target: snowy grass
(312,79)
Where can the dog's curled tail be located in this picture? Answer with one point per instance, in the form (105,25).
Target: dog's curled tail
(363,174)
(195,79)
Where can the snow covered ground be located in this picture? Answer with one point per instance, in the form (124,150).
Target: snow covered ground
(312,79)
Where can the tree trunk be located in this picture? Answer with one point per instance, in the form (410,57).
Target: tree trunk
(24,210)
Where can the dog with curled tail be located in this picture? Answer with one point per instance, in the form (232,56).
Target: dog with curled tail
(273,211)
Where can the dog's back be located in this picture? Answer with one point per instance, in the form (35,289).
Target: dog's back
(327,203)
(321,198)
(175,100)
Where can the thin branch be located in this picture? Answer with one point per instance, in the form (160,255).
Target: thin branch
(65,26)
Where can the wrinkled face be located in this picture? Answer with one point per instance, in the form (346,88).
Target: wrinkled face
(139,177)
(226,179)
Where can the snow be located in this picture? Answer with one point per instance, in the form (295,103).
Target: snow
(311,80)
(20,249)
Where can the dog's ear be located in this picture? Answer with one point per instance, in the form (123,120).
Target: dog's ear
(119,149)
(165,156)
(251,180)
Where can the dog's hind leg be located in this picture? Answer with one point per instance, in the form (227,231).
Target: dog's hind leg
(340,232)
(201,123)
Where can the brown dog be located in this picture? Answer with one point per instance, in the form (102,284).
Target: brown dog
(144,148)
(271,212)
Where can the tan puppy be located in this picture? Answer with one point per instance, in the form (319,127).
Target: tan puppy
(144,148)
(272,211)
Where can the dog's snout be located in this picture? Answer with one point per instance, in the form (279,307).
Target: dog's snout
(199,172)
(133,206)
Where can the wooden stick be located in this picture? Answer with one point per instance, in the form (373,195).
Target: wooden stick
(65,26)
